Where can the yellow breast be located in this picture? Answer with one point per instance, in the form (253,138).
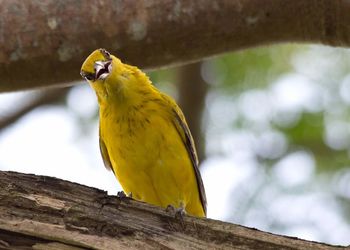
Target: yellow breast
(149,157)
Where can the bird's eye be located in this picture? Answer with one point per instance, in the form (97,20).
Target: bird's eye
(87,76)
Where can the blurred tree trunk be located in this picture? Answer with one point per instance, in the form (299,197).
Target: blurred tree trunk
(45,42)
(192,93)
(45,213)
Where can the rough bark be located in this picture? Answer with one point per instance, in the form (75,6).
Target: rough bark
(44,42)
(38,212)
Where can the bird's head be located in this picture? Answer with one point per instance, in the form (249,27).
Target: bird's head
(97,66)
(102,70)
(113,80)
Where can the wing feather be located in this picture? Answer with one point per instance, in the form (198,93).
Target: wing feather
(105,156)
(183,130)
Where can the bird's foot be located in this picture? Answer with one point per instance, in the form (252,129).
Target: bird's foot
(123,197)
(178,213)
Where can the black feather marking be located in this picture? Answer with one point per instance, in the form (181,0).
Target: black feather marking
(188,141)
(105,155)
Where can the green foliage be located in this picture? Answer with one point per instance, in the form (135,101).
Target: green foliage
(253,68)
(308,134)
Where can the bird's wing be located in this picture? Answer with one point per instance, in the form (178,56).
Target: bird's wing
(182,128)
(104,153)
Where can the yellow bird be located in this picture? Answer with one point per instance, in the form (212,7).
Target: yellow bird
(144,138)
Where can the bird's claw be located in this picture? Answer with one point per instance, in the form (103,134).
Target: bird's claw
(123,197)
(178,213)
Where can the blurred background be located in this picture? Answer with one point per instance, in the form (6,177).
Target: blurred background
(272,127)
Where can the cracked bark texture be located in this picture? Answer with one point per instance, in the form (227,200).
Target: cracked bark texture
(45,42)
(39,212)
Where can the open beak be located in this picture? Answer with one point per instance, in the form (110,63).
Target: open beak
(102,70)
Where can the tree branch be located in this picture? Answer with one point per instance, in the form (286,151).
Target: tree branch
(47,213)
(48,48)
(48,96)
